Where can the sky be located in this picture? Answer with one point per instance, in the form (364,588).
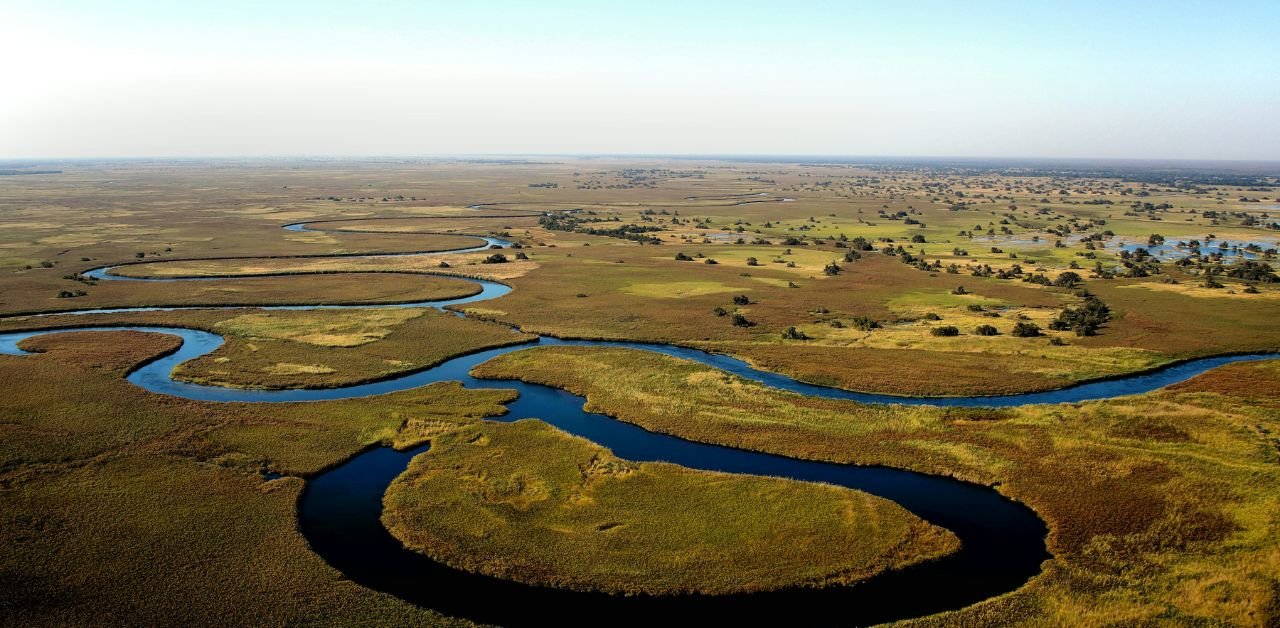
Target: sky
(1123,79)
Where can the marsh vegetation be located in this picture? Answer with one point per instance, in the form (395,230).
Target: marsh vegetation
(875,277)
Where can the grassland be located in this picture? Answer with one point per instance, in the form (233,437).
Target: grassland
(612,293)
(319,349)
(526,502)
(1160,506)
(461,264)
(640,292)
(119,506)
(23,297)
(308,348)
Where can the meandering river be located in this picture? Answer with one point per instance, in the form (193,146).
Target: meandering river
(340,510)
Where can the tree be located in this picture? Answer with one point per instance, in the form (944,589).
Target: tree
(832,269)
(681,257)
(1251,270)
(945,330)
(751,261)
(741,299)
(1067,279)
(1084,320)
(1026,330)
(959,290)
(986,330)
(741,321)
(496,258)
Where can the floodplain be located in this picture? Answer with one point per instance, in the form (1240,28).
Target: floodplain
(129,505)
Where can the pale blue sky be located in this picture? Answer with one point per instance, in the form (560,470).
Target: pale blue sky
(1084,79)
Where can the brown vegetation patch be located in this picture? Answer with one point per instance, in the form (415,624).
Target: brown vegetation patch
(1258,381)
(117,351)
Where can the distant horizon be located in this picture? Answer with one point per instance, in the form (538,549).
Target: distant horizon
(763,157)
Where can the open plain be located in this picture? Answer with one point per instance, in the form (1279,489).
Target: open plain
(796,373)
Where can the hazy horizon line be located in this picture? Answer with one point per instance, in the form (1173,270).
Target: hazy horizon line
(638,155)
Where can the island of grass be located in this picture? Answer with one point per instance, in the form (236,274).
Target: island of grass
(526,502)
(279,349)
(1158,505)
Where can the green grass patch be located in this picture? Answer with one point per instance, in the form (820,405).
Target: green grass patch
(527,502)
(1156,504)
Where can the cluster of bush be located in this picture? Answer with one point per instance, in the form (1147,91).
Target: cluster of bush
(635,233)
(1022,329)
(1084,320)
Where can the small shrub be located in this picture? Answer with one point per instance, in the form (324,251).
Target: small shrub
(865,323)
(932,316)
(496,258)
(959,290)
(794,334)
(945,330)
(741,299)
(741,321)
(986,330)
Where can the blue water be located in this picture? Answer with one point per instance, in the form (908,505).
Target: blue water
(340,510)
(1174,249)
